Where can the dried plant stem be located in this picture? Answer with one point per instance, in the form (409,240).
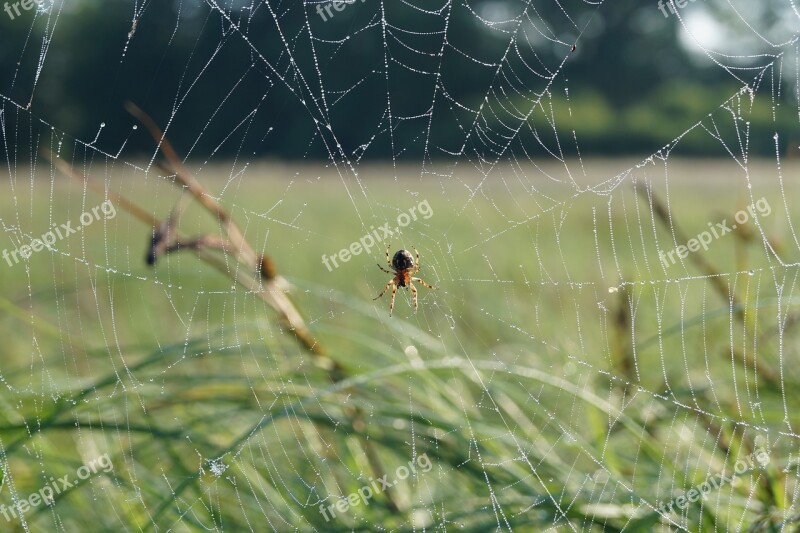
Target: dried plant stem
(715,278)
(167,238)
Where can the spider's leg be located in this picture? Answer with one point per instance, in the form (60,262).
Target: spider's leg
(388,261)
(414,292)
(384,269)
(416,252)
(391,302)
(391,281)
(423,282)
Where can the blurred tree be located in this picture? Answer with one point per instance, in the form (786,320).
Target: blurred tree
(266,78)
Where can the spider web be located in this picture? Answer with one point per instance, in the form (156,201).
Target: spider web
(562,376)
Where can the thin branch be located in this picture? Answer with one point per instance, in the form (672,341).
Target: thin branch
(713,275)
(270,290)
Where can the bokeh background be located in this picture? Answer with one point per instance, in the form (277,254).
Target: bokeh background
(561,376)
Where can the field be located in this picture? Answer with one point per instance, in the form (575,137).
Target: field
(561,376)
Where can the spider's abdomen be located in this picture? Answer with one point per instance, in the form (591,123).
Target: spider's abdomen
(402,260)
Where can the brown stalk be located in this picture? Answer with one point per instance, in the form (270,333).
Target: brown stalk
(185,178)
(713,276)
(166,238)
(271,286)
(622,356)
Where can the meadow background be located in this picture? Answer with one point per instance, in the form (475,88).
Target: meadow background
(559,377)
(172,369)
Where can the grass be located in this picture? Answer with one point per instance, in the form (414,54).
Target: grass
(559,377)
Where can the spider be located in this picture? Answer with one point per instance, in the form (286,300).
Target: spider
(404,267)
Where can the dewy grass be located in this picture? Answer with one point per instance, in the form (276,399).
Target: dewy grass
(365,494)
(46,495)
(543,430)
